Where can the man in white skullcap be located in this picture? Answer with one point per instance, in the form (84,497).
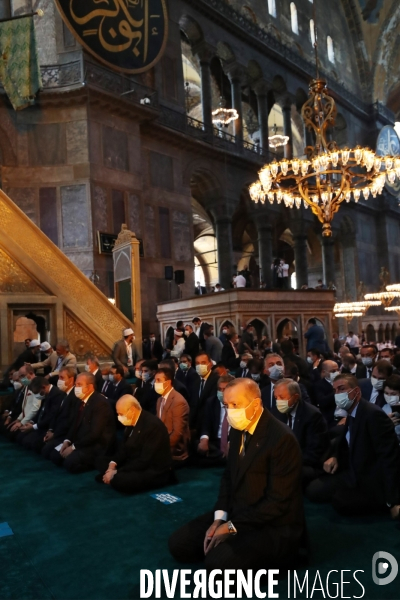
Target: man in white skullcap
(48,364)
(125,353)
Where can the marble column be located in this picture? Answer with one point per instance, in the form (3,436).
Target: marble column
(263,113)
(287,129)
(236,90)
(265,252)
(223,229)
(328,260)
(301,259)
(206,93)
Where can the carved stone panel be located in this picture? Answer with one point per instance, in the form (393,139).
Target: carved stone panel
(181,233)
(134,213)
(75,217)
(81,342)
(150,240)
(13,279)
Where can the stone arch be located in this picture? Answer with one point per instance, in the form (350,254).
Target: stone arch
(254,70)
(191,29)
(300,98)
(249,13)
(281,327)
(261,326)
(279,85)
(370,333)
(381,334)
(225,52)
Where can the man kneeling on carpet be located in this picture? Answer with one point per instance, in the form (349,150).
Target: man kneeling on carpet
(92,433)
(143,460)
(258,520)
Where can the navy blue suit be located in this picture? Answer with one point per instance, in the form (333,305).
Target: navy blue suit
(366,391)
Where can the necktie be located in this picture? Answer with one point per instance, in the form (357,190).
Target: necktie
(202,384)
(162,406)
(351,423)
(242,450)
(290,420)
(369,371)
(224,435)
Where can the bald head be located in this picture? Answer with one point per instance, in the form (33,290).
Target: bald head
(129,409)
(242,392)
(328,367)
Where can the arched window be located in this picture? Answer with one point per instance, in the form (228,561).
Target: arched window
(331,50)
(293,18)
(272,7)
(312,31)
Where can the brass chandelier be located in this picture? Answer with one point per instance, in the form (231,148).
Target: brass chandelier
(328,175)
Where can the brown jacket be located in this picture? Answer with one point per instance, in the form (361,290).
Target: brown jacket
(175,416)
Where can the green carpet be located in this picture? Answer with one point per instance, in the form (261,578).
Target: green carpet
(75,539)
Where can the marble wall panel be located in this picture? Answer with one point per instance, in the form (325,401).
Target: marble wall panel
(47,144)
(75,216)
(25,199)
(134,214)
(181,235)
(100,208)
(77,142)
(161,171)
(150,240)
(115,149)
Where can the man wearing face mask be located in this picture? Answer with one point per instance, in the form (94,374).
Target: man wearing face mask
(120,385)
(363,473)
(324,396)
(258,518)
(30,355)
(92,432)
(192,344)
(93,366)
(65,358)
(143,459)
(213,444)
(173,410)
(368,358)
(350,365)
(30,403)
(307,424)
(186,374)
(152,348)
(256,372)
(206,387)
(146,394)
(230,357)
(314,359)
(49,363)
(392,400)
(243,369)
(33,434)
(372,389)
(62,420)
(11,414)
(125,353)
(274,368)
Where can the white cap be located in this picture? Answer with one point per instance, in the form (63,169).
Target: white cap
(178,333)
(45,346)
(128,332)
(34,344)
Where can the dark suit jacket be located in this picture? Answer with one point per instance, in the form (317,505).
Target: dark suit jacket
(198,404)
(17,402)
(366,392)
(311,432)
(119,390)
(212,416)
(301,364)
(27,356)
(188,379)
(62,420)
(361,371)
(241,372)
(94,430)
(99,380)
(228,357)
(270,403)
(374,454)
(155,353)
(145,447)
(214,348)
(264,487)
(175,416)
(324,399)
(49,408)
(197,291)
(192,346)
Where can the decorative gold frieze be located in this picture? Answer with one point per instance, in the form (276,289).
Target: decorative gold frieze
(81,341)
(13,279)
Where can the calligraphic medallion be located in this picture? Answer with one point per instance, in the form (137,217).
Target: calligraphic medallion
(388,144)
(126,35)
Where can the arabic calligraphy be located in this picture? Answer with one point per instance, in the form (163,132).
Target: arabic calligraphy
(129,35)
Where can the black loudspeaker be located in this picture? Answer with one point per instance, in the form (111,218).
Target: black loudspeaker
(179,277)
(169,273)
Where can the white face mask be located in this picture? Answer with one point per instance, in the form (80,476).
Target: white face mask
(159,388)
(105,377)
(377,384)
(111,378)
(152,339)
(237,418)
(243,365)
(225,331)
(367,361)
(146,376)
(309,360)
(283,406)
(17,385)
(87,368)
(61,385)
(255,376)
(78,393)
(386,358)
(138,374)
(202,370)
(276,371)
(333,376)
(343,401)
(39,396)
(124,420)
(392,400)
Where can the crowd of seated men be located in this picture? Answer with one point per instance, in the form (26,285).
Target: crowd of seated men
(138,420)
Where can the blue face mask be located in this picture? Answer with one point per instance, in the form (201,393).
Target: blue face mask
(220,396)
(183,366)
